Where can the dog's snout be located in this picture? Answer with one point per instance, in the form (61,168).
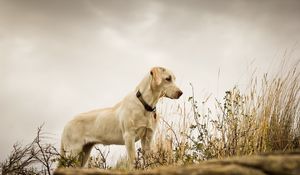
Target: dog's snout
(179,93)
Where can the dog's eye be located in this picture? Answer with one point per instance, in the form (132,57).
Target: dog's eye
(169,78)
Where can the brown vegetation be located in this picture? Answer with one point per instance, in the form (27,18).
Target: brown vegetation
(264,118)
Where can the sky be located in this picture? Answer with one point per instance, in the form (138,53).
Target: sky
(60,58)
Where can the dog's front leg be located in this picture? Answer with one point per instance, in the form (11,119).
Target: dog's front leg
(129,138)
(146,145)
(146,141)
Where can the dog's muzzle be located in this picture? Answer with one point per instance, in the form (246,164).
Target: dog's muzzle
(179,93)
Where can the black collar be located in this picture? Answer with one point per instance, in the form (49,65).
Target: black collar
(147,107)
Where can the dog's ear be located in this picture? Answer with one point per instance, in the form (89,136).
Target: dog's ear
(156,74)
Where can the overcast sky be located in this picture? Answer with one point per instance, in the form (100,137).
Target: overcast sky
(59,58)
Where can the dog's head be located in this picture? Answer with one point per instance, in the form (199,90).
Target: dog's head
(163,82)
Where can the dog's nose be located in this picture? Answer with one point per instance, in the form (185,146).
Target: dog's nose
(179,93)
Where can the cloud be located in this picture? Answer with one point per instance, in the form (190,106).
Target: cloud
(60,58)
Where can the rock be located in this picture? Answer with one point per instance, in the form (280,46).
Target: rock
(265,164)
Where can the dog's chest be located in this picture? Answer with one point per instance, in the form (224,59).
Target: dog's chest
(147,120)
(142,126)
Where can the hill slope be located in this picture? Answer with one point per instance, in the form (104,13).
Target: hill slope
(265,164)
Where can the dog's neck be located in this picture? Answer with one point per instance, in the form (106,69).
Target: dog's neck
(150,96)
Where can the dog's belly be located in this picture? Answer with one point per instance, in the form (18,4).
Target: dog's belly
(105,129)
(110,135)
(116,139)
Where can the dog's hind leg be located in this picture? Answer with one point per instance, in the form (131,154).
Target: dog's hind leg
(87,148)
(72,155)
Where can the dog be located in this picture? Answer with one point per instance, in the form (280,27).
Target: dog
(132,119)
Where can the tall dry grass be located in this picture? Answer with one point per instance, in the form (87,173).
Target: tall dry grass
(263,118)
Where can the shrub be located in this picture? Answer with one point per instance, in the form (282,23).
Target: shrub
(263,118)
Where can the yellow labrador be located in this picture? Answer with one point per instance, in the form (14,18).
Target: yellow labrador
(128,121)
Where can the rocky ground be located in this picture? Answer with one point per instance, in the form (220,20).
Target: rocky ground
(265,164)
